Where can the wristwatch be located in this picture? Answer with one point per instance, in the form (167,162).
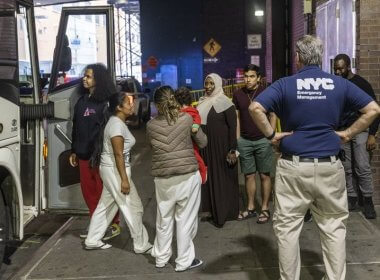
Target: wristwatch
(272,135)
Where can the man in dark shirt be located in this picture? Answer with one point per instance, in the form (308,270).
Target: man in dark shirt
(309,174)
(256,153)
(357,164)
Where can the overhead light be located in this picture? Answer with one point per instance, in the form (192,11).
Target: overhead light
(259,13)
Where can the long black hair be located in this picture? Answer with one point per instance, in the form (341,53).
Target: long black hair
(114,100)
(104,87)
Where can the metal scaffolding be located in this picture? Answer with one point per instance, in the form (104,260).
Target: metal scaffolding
(127,39)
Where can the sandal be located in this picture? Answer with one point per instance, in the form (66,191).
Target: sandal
(250,214)
(264,217)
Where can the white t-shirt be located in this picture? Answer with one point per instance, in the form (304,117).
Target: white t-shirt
(116,127)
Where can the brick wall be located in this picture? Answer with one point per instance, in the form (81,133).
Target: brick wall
(368,64)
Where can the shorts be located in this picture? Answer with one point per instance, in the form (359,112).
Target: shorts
(255,156)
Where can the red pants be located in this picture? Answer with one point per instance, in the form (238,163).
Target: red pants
(201,164)
(92,186)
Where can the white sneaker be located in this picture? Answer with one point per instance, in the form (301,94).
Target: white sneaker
(160,265)
(148,251)
(102,246)
(83,235)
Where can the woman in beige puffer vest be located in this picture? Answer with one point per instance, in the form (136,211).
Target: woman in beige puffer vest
(177,180)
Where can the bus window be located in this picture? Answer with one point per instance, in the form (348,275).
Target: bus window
(8,58)
(25,65)
(84,42)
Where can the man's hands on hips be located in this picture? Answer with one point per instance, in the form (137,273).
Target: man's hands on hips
(344,136)
(278,136)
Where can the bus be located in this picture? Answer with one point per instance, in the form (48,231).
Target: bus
(35,118)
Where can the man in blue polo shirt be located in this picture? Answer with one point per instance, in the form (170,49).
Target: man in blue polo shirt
(309,174)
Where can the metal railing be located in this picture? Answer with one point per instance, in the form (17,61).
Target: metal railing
(230,87)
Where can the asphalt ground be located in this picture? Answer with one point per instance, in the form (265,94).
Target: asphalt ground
(239,250)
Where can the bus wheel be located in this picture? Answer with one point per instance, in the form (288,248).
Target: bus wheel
(4,230)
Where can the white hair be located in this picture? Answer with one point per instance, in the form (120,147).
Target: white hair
(310,50)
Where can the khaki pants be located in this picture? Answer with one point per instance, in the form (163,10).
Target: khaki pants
(319,186)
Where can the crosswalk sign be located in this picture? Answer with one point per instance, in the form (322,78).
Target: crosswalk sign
(212,47)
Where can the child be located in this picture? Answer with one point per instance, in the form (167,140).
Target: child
(184,98)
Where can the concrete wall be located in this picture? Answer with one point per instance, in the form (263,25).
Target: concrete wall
(223,20)
(175,32)
(229,22)
(276,40)
(171,32)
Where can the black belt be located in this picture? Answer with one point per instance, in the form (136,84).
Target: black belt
(305,159)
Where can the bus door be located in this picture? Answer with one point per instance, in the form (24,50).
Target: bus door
(30,128)
(85,36)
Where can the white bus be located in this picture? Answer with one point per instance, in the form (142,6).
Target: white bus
(35,127)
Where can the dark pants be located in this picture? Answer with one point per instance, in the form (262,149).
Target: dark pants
(357,166)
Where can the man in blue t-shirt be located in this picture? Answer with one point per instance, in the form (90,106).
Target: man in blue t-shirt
(309,174)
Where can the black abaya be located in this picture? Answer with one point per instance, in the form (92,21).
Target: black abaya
(220,194)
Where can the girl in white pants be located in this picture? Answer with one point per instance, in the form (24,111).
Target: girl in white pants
(119,191)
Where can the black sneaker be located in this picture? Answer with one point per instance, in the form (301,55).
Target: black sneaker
(360,198)
(195,263)
(352,203)
(369,210)
(112,231)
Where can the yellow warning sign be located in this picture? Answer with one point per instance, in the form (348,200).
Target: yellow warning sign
(212,47)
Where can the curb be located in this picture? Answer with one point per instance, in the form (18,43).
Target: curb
(42,252)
